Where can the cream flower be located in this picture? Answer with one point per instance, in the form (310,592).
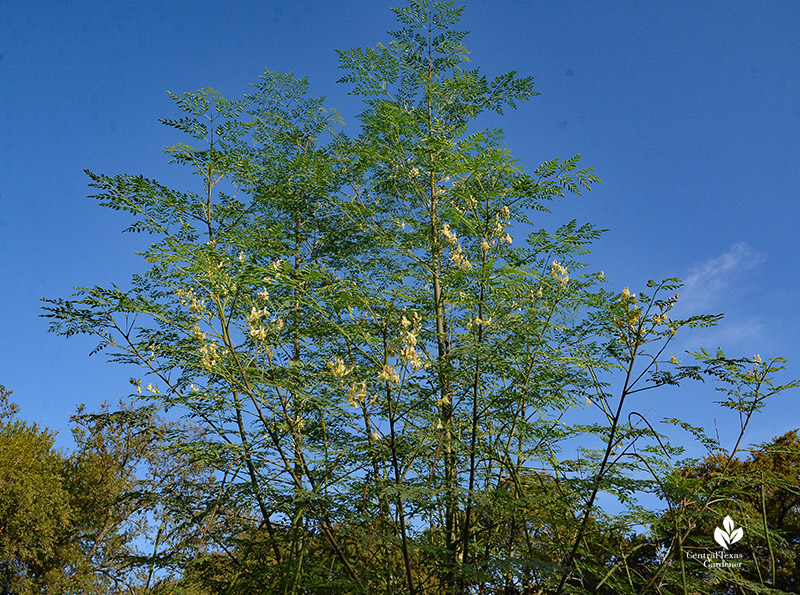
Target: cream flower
(356,394)
(197,306)
(409,338)
(460,260)
(408,353)
(209,356)
(444,400)
(449,234)
(259,332)
(337,368)
(558,271)
(389,375)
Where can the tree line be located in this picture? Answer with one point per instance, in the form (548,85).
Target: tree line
(79,522)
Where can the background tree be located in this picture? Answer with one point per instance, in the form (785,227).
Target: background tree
(77,523)
(130,493)
(34,509)
(761,493)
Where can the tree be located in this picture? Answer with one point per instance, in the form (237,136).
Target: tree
(383,376)
(73,524)
(128,491)
(762,494)
(34,508)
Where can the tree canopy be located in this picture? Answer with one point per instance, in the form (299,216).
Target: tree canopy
(76,523)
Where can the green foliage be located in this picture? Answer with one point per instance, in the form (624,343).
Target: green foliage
(34,508)
(72,524)
(380,377)
(760,493)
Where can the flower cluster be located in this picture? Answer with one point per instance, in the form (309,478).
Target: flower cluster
(408,338)
(557,271)
(630,322)
(410,329)
(209,355)
(259,332)
(389,375)
(412,323)
(356,394)
(756,362)
(478,322)
(449,234)
(501,221)
(258,329)
(470,202)
(337,368)
(188,298)
(456,254)
(255,315)
(443,401)
(461,261)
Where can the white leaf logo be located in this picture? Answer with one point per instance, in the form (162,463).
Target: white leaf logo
(727,536)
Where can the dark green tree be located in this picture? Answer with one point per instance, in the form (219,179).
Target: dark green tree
(75,523)
(34,508)
(762,494)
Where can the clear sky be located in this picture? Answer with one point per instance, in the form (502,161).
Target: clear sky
(689,111)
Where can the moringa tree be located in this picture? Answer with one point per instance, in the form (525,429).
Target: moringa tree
(380,344)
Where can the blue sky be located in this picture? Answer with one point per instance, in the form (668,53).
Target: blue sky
(689,112)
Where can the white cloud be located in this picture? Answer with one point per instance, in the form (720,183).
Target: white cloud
(730,335)
(709,281)
(715,286)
